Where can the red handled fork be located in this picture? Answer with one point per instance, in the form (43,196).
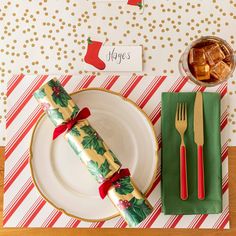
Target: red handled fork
(181,126)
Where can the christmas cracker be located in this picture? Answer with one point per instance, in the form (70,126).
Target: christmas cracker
(100,161)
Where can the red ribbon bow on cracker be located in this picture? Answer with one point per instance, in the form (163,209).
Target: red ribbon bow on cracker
(83,114)
(104,187)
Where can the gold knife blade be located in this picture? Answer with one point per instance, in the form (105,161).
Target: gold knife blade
(198,120)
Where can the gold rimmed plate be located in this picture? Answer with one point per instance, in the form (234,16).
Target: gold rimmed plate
(63,180)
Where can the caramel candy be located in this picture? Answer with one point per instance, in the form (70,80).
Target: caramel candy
(213,54)
(197,56)
(228,56)
(202,72)
(220,71)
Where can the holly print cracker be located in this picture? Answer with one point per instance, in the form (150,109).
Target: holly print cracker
(132,204)
(101,162)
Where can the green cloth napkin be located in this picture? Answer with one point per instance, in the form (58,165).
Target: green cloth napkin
(172,204)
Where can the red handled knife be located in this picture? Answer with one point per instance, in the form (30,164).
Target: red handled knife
(199,140)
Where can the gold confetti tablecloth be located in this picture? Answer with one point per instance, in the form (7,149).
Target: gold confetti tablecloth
(44,37)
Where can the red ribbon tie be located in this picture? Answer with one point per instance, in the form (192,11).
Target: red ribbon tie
(104,187)
(83,114)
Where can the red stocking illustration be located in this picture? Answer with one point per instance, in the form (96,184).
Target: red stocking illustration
(92,57)
(136,3)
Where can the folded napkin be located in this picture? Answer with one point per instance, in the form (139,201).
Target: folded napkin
(172,204)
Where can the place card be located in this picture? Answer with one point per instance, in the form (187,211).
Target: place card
(115,59)
(131,5)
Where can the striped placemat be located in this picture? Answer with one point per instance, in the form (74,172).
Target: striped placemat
(24,206)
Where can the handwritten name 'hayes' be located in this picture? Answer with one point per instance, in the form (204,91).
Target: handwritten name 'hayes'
(117,57)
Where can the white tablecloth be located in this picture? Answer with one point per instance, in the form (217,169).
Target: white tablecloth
(49,37)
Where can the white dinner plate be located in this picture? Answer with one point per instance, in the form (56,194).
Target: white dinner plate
(64,181)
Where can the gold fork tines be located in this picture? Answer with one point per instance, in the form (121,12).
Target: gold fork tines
(181,126)
(181,120)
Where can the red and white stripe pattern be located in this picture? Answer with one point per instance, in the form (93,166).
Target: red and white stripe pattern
(24,206)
